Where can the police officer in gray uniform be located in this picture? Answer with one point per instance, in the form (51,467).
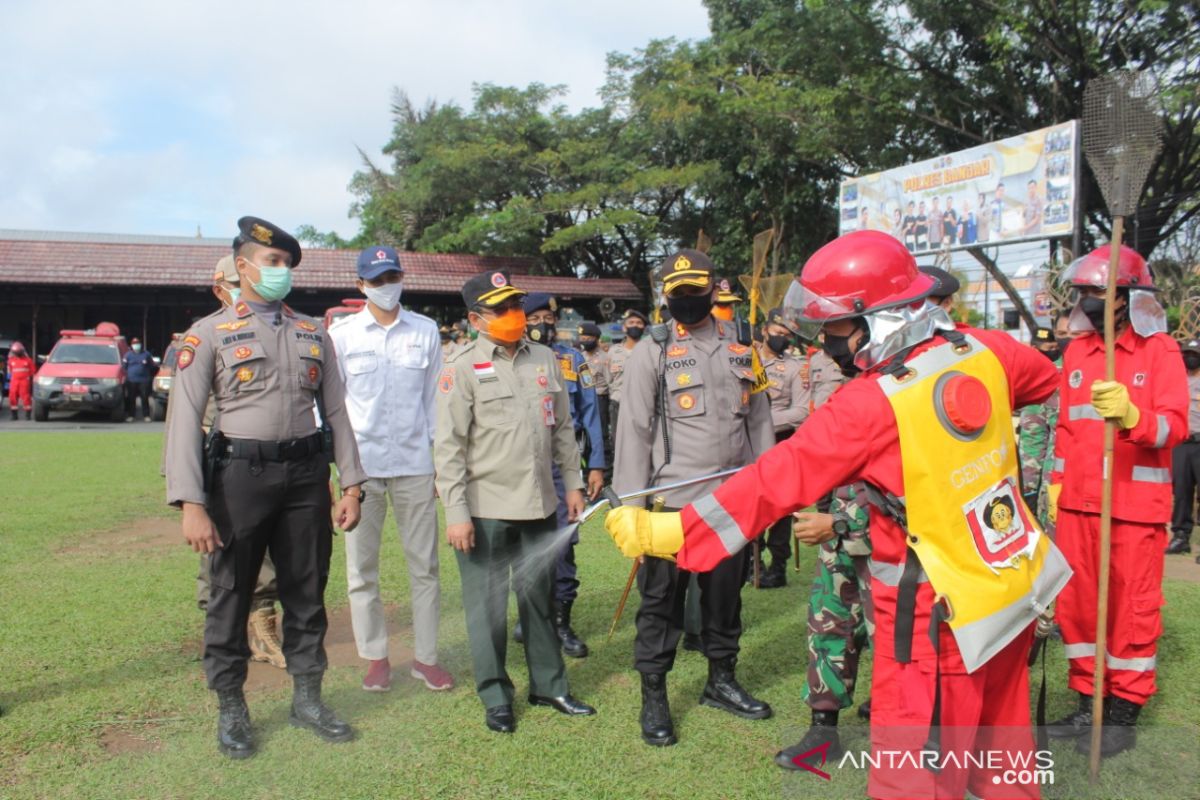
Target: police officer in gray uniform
(268,483)
(687,410)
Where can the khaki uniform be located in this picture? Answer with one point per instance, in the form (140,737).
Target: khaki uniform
(824,378)
(788,390)
(598,361)
(715,423)
(501,423)
(618,356)
(270,489)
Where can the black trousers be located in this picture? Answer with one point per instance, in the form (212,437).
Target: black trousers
(281,507)
(606,429)
(664,589)
(1185,476)
(132,392)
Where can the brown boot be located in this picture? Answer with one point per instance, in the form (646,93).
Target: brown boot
(264,640)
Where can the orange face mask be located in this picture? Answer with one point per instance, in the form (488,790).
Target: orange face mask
(507,328)
(723,313)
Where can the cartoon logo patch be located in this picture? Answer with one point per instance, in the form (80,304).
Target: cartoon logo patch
(676,350)
(1000,525)
(245,374)
(1076,379)
(243,352)
(687,402)
(184,360)
(446,382)
(1139,379)
(305,325)
(498,280)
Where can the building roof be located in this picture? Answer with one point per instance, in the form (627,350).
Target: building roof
(51,257)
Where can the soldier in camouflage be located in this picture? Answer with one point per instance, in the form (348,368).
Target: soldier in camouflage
(841,620)
(1036,439)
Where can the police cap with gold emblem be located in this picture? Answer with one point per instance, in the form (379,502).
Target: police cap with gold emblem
(255,230)
(489,289)
(538,301)
(725,293)
(1043,336)
(633,312)
(687,268)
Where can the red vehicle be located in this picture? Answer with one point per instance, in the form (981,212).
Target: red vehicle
(83,372)
(351,305)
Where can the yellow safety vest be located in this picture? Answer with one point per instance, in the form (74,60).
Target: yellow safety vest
(977,541)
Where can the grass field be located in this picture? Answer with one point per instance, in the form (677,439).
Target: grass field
(104,698)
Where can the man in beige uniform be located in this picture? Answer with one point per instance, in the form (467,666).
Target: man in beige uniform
(268,489)
(597,359)
(503,417)
(692,389)
(635,323)
(788,393)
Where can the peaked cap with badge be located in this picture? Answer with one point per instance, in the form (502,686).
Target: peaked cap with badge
(489,289)
(256,230)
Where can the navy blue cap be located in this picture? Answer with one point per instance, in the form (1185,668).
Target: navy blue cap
(374,261)
(536,301)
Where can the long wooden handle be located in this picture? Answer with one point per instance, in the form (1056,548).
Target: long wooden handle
(1110,373)
(659,502)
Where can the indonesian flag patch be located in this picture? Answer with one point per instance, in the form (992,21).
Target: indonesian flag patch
(484,371)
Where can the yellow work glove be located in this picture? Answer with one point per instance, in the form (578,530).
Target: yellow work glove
(1111,401)
(1052,495)
(638,532)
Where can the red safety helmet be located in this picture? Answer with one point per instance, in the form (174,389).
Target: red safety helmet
(856,274)
(1092,269)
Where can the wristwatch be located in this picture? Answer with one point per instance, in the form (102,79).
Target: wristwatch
(841,526)
(360,494)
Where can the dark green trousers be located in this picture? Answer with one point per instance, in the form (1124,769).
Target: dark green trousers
(520,554)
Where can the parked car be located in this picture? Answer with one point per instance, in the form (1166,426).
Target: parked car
(83,372)
(161,387)
(351,305)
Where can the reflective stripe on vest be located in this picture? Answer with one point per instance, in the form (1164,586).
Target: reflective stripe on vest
(889,574)
(1161,431)
(1084,411)
(1060,464)
(723,524)
(1088,650)
(1152,474)
(976,539)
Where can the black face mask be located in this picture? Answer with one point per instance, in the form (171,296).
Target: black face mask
(1191,361)
(778,343)
(838,349)
(542,333)
(589,344)
(1093,309)
(635,332)
(1053,355)
(690,309)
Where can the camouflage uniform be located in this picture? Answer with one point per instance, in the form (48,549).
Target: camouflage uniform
(841,619)
(1036,445)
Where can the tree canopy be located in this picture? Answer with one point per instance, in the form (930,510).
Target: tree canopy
(754,126)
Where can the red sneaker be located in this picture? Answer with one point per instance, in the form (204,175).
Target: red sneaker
(436,678)
(379,676)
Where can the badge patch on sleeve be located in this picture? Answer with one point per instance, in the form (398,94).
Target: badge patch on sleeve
(185,357)
(446,382)
(192,340)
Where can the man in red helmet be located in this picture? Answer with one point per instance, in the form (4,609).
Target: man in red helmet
(20,376)
(959,568)
(1148,401)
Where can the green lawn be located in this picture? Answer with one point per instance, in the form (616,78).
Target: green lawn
(98,633)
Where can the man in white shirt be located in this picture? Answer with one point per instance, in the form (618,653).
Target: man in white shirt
(390,359)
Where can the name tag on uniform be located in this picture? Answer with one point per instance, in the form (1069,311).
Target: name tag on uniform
(548,411)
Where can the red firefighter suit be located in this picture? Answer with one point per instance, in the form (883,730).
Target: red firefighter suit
(20,387)
(1152,370)
(856,436)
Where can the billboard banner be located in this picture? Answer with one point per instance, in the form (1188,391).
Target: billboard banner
(1012,190)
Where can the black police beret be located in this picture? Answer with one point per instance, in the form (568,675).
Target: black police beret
(944,284)
(257,230)
(589,329)
(633,312)
(489,289)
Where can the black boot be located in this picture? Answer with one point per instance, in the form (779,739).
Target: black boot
(693,642)
(1180,543)
(234,737)
(1077,723)
(775,577)
(309,712)
(572,645)
(1119,732)
(518,634)
(657,730)
(824,730)
(724,692)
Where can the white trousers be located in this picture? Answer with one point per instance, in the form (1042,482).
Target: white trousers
(415,508)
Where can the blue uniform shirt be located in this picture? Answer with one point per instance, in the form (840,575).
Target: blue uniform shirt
(139,367)
(585,409)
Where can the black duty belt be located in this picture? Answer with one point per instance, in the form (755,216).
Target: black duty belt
(1193,439)
(290,450)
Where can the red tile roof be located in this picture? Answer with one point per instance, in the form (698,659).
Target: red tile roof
(44,261)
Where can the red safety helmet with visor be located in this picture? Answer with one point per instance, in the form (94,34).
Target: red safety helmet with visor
(1092,269)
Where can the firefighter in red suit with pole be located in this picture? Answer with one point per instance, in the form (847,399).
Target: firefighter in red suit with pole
(20,374)
(1149,401)
(960,570)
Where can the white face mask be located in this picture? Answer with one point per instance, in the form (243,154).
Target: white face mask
(386,297)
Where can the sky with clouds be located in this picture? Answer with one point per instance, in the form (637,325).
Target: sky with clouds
(157,117)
